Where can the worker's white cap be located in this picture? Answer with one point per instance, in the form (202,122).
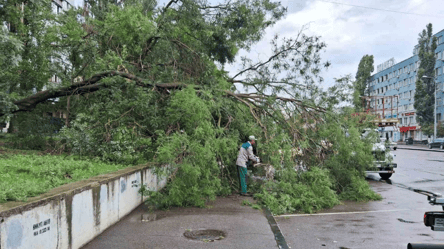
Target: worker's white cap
(251,138)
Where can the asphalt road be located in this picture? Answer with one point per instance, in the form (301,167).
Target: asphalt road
(420,169)
(391,223)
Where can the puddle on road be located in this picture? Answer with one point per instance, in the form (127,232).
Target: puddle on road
(360,220)
(427,180)
(405,221)
(373,178)
(424,234)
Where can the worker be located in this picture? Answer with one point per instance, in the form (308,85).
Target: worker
(245,154)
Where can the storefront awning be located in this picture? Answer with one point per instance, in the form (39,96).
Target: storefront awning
(407,128)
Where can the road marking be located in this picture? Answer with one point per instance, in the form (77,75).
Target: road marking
(358,212)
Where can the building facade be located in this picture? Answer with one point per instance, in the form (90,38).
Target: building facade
(392,93)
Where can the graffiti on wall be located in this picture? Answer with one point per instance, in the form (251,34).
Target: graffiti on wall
(44,225)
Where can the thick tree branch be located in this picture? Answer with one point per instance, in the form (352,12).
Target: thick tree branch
(90,85)
(93,84)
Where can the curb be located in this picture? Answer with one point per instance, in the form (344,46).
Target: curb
(280,240)
(430,150)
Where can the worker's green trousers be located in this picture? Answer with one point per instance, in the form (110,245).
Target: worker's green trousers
(242,173)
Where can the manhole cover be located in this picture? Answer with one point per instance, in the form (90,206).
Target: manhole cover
(205,235)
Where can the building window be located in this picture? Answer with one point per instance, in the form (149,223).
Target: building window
(440,40)
(400,71)
(439,70)
(438,116)
(400,121)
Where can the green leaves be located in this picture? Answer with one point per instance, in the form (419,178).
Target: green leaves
(308,192)
(425,87)
(196,129)
(360,85)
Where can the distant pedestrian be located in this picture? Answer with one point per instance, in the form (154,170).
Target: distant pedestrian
(245,154)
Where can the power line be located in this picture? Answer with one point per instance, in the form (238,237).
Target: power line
(394,11)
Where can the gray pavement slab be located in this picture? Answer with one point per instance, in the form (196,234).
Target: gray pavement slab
(244,227)
(392,222)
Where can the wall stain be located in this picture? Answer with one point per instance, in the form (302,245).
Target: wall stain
(122,185)
(96,205)
(68,206)
(14,234)
(59,220)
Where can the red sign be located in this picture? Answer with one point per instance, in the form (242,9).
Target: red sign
(410,114)
(407,128)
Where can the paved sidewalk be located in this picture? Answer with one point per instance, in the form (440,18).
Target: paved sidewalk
(244,227)
(422,147)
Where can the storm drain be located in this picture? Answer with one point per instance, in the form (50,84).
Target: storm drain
(205,235)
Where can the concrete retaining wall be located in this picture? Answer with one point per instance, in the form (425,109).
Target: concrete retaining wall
(72,215)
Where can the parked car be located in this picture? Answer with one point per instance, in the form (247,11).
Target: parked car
(384,164)
(437,143)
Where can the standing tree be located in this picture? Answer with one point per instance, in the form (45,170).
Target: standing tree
(425,87)
(365,69)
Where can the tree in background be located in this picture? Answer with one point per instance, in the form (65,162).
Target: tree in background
(10,57)
(360,85)
(425,87)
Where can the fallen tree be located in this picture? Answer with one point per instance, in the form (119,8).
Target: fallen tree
(141,83)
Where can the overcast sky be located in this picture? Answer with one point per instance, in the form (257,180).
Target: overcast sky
(352,32)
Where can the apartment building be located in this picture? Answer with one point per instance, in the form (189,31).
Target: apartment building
(393,88)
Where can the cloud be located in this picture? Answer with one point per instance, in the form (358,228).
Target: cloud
(352,32)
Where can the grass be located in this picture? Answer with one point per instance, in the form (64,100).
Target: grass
(28,173)
(23,176)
